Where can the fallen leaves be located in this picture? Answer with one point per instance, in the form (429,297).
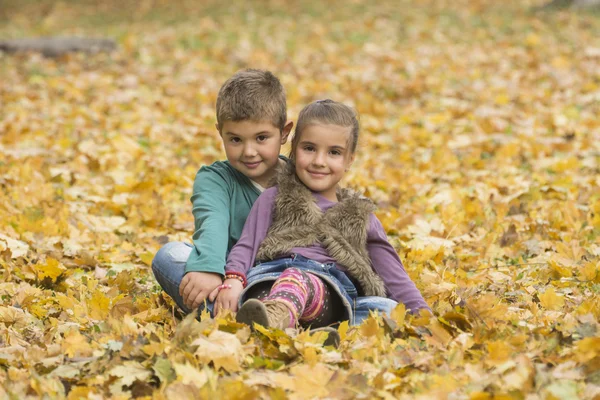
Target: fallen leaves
(223,349)
(479,144)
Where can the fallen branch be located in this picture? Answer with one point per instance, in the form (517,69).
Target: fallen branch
(57,46)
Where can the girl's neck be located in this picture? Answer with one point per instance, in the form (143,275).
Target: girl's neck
(329,197)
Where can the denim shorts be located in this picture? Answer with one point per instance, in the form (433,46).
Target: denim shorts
(337,280)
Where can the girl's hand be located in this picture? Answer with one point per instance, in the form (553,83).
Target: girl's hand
(227,295)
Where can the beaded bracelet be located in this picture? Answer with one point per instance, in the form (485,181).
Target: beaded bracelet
(223,286)
(236,275)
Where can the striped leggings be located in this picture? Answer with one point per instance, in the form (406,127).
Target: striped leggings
(308,298)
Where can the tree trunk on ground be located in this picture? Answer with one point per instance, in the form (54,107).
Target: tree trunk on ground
(577,4)
(57,46)
(586,3)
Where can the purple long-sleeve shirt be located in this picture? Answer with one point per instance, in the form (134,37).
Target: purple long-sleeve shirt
(383,257)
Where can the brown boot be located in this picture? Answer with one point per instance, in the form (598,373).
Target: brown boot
(270,314)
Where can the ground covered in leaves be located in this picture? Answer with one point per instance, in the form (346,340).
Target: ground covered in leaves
(481,147)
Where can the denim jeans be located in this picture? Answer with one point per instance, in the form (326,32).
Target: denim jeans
(169,268)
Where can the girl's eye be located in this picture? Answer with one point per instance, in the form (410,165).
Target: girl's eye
(235,140)
(336,152)
(309,148)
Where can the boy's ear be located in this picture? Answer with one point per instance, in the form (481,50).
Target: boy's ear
(217,127)
(285,132)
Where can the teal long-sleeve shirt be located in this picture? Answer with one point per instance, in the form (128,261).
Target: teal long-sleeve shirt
(221,201)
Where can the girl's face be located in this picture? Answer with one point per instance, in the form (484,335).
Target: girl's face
(323,156)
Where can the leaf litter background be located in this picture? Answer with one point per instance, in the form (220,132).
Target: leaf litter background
(481,146)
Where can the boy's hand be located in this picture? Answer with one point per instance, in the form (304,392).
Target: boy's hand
(196,286)
(227,299)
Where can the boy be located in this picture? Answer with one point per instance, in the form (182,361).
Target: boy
(252,122)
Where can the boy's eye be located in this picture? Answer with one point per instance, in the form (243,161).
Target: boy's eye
(235,140)
(262,138)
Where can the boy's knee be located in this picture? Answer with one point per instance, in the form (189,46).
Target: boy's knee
(160,256)
(170,253)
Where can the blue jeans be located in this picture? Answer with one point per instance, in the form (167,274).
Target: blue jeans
(169,267)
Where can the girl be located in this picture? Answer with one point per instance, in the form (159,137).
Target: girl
(310,251)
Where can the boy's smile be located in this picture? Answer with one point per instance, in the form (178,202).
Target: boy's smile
(252,165)
(253,148)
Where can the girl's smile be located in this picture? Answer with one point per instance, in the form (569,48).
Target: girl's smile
(322,157)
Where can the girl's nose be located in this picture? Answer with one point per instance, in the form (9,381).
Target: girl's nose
(319,159)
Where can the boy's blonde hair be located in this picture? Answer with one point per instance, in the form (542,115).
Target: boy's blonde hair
(327,112)
(252,94)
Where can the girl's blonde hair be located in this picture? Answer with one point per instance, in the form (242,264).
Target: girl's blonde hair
(327,112)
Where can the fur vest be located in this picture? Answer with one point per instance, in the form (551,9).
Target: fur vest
(342,230)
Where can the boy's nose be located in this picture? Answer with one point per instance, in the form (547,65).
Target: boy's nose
(249,151)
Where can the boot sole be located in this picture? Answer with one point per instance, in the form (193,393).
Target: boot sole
(252,312)
(333,339)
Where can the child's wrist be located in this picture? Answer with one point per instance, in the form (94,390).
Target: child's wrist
(233,282)
(238,276)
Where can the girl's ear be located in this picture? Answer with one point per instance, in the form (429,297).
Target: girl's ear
(350,161)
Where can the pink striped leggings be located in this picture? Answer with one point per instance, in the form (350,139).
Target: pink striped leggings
(308,298)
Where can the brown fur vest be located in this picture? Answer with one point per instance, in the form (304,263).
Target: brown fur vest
(342,230)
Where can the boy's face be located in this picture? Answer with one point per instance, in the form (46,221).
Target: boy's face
(253,147)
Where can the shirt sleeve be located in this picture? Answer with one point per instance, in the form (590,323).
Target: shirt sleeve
(388,266)
(242,256)
(211,208)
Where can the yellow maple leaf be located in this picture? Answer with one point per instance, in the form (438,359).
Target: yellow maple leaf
(129,372)
(562,266)
(98,305)
(81,392)
(480,396)
(147,258)
(589,271)
(343,330)
(499,350)
(398,314)
(190,375)
(308,381)
(311,357)
(13,317)
(223,349)
(154,348)
(75,344)
(370,327)
(439,335)
(589,306)
(17,247)
(587,349)
(551,301)
(51,269)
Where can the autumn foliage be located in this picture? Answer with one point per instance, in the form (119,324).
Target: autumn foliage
(481,147)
